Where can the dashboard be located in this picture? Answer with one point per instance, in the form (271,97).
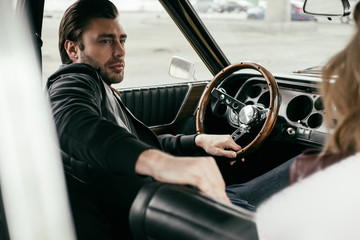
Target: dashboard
(301,113)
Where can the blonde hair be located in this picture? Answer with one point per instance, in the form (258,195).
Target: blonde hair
(341,95)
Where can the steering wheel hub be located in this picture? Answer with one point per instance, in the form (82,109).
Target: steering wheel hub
(248,114)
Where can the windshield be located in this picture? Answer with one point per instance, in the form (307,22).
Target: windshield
(280,37)
(275,33)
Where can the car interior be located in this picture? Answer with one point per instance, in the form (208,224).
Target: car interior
(286,112)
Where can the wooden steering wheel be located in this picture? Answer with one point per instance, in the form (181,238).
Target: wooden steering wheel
(248,115)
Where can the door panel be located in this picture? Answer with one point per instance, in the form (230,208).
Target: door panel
(161,107)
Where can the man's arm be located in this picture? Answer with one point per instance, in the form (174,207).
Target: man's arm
(201,172)
(214,145)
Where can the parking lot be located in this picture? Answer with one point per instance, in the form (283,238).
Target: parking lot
(153,38)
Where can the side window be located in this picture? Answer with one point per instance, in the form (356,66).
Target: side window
(153,38)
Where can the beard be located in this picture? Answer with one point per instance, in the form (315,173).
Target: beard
(109,76)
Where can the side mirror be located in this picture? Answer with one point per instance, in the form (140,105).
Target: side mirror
(181,68)
(328,8)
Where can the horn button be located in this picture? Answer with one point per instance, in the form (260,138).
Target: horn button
(249,114)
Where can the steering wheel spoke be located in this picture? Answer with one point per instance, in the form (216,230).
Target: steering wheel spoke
(239,132)
(228,100)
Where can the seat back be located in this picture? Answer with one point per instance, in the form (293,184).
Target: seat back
(165,211)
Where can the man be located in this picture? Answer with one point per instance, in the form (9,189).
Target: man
(108,154)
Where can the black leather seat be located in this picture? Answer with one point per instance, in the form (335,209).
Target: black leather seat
(165,211)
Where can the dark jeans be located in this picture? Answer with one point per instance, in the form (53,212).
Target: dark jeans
(251,194)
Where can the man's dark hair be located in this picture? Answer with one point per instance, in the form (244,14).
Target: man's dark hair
(77,17)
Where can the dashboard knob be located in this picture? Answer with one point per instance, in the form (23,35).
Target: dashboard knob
(290,132)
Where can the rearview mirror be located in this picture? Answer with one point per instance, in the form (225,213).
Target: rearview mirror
(327,7)
(181,68)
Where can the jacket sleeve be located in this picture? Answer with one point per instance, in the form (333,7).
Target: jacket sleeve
(179,145)
(84,133)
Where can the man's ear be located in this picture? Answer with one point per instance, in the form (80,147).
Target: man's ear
(72,50)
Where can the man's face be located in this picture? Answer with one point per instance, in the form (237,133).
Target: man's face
(103,46)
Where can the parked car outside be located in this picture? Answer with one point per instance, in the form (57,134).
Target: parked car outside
(257,13)
(236,6)
(297,13)
(207,5)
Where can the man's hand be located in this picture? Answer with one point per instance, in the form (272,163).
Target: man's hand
(218,145)
(201,172)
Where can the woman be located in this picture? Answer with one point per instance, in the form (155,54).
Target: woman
(325,205)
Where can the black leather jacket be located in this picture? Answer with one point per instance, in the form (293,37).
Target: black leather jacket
(101,153)
(86,117)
